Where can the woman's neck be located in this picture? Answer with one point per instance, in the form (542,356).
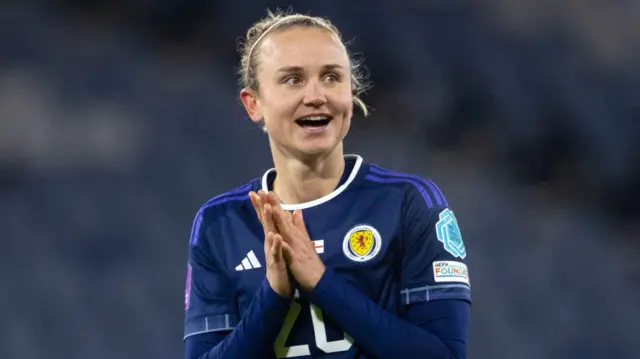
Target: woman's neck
(299,181)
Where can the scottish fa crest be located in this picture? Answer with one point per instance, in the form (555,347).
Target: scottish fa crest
(449,234)
(361,243)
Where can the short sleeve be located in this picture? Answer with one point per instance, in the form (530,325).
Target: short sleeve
(433,253)
(209,294)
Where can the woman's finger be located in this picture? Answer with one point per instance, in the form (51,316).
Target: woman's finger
(298,221)
(267,219)
(276,250)
(264,198)
(280,221)
(255,201)
(268,244)
(274,199)
(286,251)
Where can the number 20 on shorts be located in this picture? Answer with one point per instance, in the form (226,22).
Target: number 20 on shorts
(319,332)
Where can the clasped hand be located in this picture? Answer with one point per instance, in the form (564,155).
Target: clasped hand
(287,245)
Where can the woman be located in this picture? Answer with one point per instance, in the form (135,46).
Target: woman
(368,265)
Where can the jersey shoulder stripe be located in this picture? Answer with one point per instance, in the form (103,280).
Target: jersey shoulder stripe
(434,189)
(237,194)
(428,190)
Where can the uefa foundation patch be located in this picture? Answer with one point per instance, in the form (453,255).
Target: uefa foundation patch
(450,271)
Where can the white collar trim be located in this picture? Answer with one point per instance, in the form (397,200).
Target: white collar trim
(321,200)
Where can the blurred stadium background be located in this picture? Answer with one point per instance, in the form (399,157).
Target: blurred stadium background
(118,119)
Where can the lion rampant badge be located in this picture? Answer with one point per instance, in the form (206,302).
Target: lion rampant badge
(361,243)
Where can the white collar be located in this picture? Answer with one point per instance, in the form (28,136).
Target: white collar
(321,200)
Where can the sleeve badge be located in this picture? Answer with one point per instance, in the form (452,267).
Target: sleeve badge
(448,233)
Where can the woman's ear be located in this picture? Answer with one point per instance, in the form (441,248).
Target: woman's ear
(251,104)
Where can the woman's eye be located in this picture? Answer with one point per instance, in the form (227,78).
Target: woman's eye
(331,78)
(293,80)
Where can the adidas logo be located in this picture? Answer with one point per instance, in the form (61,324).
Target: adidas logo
(249,262)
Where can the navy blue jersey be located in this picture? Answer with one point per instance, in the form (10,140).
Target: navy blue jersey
(390,235)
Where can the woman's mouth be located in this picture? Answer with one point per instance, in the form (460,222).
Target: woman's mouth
(314,122)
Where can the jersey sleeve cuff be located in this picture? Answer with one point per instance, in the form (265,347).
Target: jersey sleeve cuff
(428,293)
(272,304)
(208,324)
(325,285)
(271,299)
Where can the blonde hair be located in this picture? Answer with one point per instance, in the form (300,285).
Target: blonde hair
(249,50)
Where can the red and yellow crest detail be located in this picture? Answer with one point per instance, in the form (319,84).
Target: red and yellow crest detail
(361,242)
